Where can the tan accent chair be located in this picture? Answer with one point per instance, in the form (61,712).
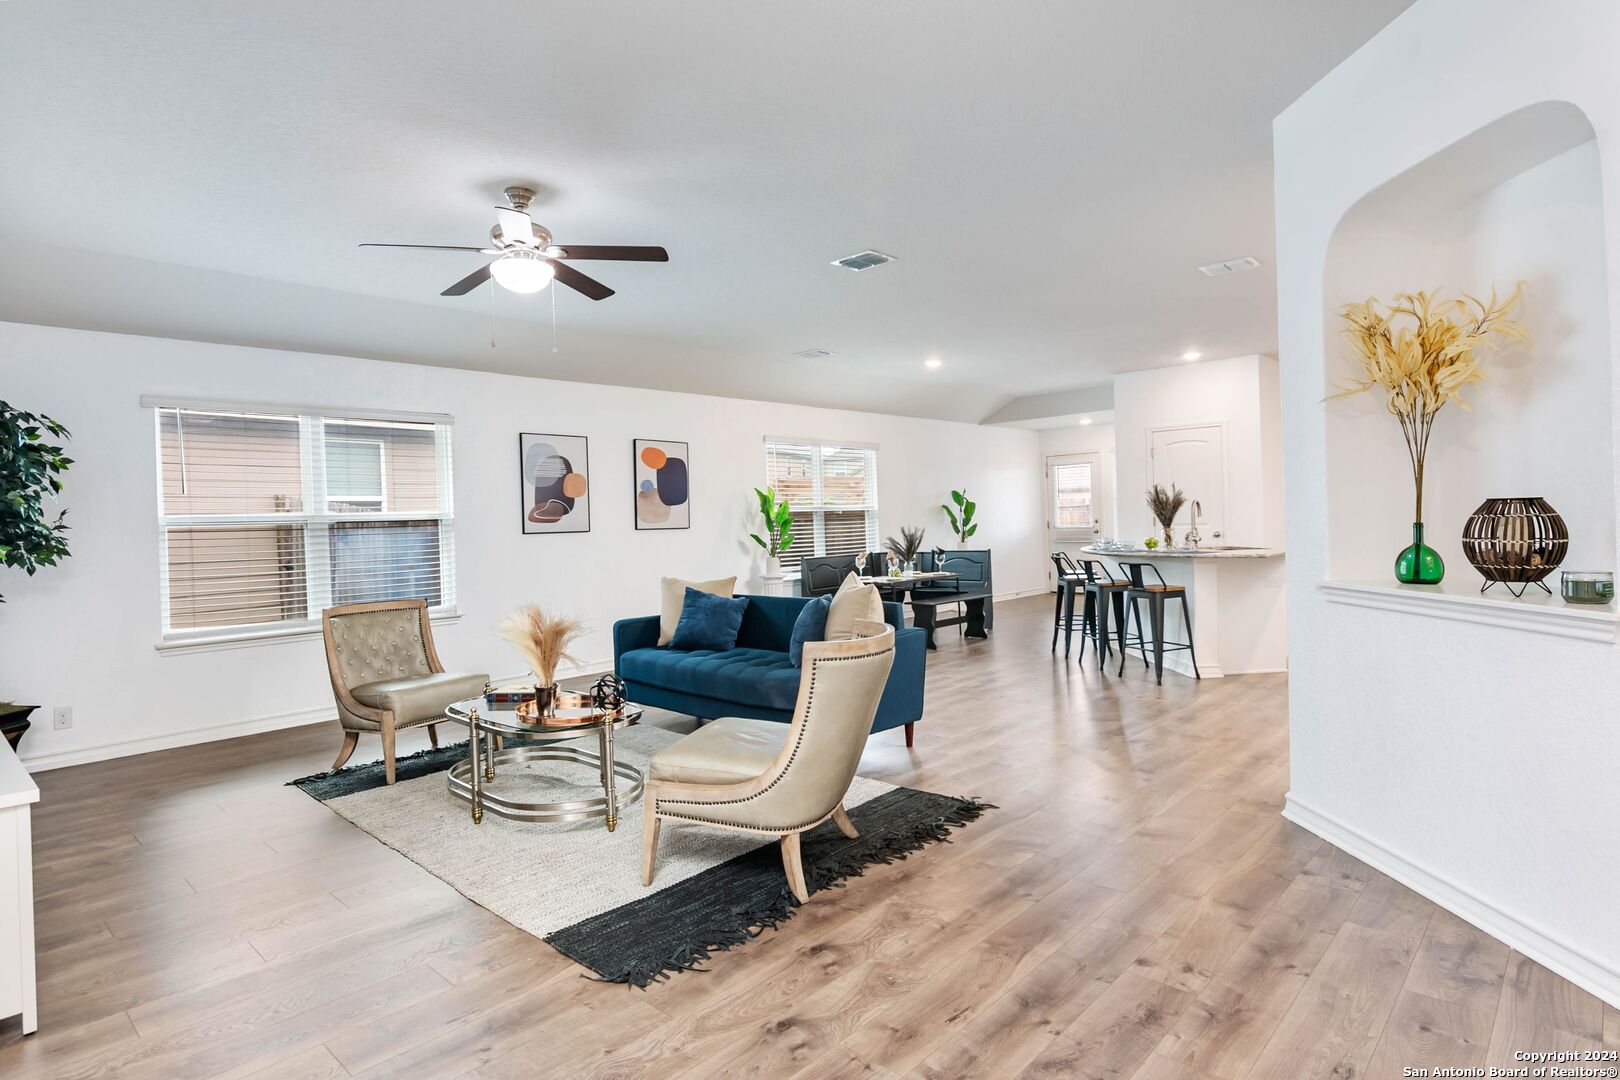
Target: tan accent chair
(751,776)
(386,674)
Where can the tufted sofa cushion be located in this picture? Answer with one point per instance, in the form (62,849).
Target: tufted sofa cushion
(763,678)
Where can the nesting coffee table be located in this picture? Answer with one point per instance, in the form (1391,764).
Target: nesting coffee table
(524,739)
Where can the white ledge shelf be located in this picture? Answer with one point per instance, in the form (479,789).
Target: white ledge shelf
(1537,614)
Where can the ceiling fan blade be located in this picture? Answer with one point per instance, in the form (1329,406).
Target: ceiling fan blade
(617,254)
(430,247)
(470,282)
(579,282)
(516,226)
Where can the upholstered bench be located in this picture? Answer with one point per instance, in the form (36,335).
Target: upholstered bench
(755,679)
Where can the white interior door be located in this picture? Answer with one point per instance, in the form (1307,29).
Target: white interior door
(1193,458)
(1075,498)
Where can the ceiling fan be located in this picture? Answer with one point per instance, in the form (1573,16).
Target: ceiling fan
(528,260)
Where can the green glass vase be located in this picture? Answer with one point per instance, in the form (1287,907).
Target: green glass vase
(1419,564)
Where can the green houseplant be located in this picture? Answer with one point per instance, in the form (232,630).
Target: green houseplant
(962,523)
(778,529)
(31,470)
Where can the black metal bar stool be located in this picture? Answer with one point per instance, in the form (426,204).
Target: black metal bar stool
(1070,583)
(1157,595)
(1103,591)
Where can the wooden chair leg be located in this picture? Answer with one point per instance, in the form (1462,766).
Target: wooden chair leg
(840,818)
(649,837)
(793,863)
(351,739)
(433,735)
(388,749)
(911,734)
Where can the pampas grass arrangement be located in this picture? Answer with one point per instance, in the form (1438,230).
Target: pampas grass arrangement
(1165,506)
(1420,352)
(542,639)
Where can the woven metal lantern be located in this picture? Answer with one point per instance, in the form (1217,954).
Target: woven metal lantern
(1517,542)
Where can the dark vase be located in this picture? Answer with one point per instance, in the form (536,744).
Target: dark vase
(1419,564)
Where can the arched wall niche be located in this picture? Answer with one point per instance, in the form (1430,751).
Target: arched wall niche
(1519,199)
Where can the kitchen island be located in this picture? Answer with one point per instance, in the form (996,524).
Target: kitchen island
(1239,606)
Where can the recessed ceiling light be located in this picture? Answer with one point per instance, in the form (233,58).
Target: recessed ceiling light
(1084,420)
(1192,354)
(812,354)
(932,362)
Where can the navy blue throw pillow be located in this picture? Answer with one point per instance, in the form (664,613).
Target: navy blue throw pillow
(708,621)
(811,625)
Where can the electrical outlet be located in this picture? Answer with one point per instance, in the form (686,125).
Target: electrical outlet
(61,718)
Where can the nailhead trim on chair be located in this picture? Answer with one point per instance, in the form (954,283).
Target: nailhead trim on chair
(810,699)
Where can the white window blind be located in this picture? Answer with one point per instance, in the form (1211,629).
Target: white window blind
(1071,496)
(832,490)
(267,518)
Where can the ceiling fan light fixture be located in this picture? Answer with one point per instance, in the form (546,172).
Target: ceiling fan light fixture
(522,272)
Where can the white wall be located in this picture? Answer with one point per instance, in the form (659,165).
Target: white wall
(1472,761)
(1233,392)
(84,633)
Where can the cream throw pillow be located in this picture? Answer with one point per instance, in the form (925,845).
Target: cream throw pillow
(850,604)
(672,596)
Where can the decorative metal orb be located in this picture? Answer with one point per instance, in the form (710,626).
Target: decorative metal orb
(1517,542)
(607,694)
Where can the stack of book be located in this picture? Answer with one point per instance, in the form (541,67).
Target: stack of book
(508,697)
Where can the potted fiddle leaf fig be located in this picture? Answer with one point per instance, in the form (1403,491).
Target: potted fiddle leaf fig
(962,523)
(31,468)
(778,530)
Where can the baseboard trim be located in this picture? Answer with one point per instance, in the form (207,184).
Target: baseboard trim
(1513,931)
(234,729)
(1043,591)
(84,755)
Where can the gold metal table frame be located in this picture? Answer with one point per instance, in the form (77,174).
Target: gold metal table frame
(498,737)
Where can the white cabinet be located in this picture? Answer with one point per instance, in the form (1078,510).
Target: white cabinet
(18,793)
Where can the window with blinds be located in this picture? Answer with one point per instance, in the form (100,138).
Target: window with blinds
(267,518)
(1071,496)
(832,490)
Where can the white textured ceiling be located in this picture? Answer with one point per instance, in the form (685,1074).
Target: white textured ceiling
(1048,173)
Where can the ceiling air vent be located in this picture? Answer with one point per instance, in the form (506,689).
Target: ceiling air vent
(1230,266)
(863,260)
(812,354)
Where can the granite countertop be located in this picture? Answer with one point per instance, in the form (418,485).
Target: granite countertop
(1187,553)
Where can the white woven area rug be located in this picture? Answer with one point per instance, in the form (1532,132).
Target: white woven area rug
(540,877)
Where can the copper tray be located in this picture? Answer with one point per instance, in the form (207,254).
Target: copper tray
(566,699)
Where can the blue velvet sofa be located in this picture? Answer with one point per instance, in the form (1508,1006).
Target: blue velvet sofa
(755,679)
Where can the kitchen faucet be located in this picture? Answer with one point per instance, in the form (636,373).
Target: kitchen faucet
(1192,538)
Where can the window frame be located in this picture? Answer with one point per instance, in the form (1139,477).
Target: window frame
(315,524)
(818,509)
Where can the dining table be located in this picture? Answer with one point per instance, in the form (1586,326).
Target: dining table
(924,614)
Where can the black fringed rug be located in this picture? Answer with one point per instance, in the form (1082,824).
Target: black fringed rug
(578,887)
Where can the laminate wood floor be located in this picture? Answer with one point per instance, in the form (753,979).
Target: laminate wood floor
(1135,908)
